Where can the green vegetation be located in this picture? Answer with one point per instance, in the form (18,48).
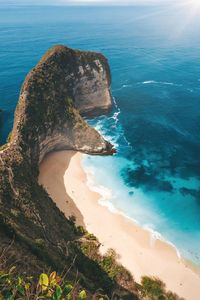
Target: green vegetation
(35,236)
(57,287)
(154,289)
(46,287)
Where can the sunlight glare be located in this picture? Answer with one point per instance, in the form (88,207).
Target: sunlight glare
(195,2)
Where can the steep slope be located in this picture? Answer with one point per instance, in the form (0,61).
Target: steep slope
(47,119)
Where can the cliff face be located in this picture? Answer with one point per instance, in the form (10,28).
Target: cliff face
(86,76)
(64,82)
(47,118)
(91,91)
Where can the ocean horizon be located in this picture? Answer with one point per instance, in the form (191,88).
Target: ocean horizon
(154,179)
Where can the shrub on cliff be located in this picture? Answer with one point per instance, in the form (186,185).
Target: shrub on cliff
(154,289)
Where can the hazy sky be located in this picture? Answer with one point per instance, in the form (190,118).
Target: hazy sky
(79,2)
(99,2)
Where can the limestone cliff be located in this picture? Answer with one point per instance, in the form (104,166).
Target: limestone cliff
(47,118)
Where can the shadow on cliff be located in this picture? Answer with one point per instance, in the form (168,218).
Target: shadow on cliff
(47,119)
(51,177)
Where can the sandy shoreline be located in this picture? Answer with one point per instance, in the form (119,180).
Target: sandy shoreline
(63,177)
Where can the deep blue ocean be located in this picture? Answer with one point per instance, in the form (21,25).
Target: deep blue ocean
(154,55)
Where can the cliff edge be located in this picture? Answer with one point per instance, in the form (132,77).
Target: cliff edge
(64,83)
(34,234)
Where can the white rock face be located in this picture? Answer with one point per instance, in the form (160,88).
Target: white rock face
(92,90)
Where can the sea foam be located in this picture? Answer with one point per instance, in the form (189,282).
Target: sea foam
(106,195)
(160,83)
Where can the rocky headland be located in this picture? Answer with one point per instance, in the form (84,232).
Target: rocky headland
(64,83)
(34,233)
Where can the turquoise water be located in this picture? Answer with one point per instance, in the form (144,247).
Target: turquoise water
(155,124)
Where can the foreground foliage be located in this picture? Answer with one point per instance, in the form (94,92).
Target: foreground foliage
(16,285)
(46,287)
(55,287)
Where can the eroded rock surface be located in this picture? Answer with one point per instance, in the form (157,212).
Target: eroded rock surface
(64,82)
(34,234)
(47,118)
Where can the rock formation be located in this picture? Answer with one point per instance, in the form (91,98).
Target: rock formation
(47,118)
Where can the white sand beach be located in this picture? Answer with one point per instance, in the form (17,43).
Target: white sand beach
(64,179)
